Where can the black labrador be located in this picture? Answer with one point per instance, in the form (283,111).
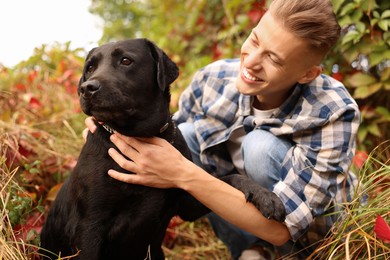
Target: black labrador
(126,85)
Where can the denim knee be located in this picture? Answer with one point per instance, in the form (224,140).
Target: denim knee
(188,132)
(263,154)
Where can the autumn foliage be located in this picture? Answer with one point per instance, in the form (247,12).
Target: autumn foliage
(41,121)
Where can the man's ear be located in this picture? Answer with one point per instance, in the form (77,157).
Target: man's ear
(310,74)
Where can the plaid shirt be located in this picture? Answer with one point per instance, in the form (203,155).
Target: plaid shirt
(321,119)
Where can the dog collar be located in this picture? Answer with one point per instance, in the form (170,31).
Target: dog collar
(108,128)
(111,131)
(162,129)
(174,132)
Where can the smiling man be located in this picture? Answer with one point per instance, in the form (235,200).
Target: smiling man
(272,116)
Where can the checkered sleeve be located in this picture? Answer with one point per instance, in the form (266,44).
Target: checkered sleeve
(205,92)
(190,99)
(314,170)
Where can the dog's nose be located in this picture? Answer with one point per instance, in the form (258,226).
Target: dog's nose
(88,88)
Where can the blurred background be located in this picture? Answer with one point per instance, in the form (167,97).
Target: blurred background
(42,49)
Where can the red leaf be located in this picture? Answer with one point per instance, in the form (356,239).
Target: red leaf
(359,159)
(255,15)
(20,87)
(52,194)
(170,234)
(257,11)
(34,221)
(382,229)
(216,52)
(25,149)
(32,75)
(338,76)
(35,103)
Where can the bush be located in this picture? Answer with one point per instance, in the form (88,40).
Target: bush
(41,122)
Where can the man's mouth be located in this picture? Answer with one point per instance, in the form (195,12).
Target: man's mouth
(249,76)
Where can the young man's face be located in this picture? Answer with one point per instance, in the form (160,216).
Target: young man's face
(272,61)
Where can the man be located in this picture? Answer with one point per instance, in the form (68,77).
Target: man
(270,115)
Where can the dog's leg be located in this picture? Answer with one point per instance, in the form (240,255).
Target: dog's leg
(264,200)
(190,209)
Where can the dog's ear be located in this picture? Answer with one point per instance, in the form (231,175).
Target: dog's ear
(167,71)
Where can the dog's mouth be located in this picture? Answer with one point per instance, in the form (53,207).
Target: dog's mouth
(109,115)
(126,115)
(126,121)
(104,110)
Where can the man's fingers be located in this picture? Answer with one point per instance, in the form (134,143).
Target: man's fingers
(90,124)
(123,162)
(85,134)
(127,145)
(129,178)
(134,141)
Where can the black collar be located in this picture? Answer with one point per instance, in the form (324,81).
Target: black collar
(162,129)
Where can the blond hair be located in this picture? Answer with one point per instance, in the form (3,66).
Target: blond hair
(311,20)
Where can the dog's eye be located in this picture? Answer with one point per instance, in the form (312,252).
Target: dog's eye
(126,61)
(90,68)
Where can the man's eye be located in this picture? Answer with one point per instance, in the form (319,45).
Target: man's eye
(126,61)
(254,41)
(273,59)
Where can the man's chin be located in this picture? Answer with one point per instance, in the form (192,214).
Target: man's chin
(245,88)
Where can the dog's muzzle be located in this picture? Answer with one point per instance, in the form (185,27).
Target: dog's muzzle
(89,87)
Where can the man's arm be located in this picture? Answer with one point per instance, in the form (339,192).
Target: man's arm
(157,164)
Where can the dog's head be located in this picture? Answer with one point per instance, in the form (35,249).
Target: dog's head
(125,84)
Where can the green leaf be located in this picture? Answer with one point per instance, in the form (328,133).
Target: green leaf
(375,87)
(361,92)
(377,56)
(360,27)
(386,36)
(357,16)
(350,36)
(360,79)
(376,14)
(362,132)
(367,5)
(347,8)
(345,20)
(366,91)
(383,24)
(384,112)
(336,5)
(374,130)
(385,74)
(385,14)
(373,21)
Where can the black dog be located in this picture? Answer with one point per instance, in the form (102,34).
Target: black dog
(126,86)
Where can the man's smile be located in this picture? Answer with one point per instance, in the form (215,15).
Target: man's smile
(248,76)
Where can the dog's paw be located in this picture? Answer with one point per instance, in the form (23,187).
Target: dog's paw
(264,200)
(268,203)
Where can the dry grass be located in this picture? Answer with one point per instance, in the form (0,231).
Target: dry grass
(50,134)
(196,240)
(354,236)
(10,246)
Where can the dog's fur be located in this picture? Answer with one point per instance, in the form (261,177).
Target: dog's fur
(126,85)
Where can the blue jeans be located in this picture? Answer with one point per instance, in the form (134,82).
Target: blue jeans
(263,154)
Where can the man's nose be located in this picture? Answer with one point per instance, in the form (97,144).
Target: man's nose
(254,60)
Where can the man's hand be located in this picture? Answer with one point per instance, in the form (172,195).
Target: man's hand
(90,127)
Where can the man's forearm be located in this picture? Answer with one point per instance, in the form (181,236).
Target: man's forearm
(230,203)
